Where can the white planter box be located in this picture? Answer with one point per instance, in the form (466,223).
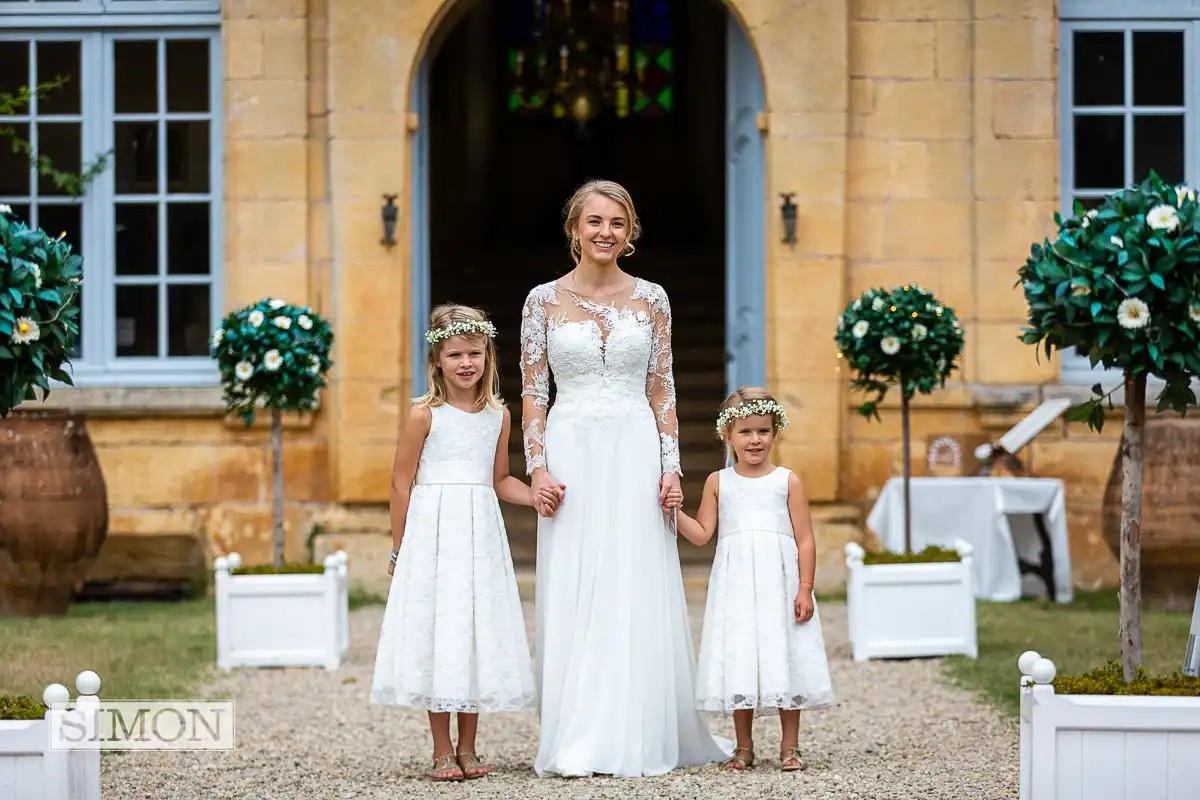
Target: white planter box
(1097,747)
(31,769)
(910,610)
(282,620)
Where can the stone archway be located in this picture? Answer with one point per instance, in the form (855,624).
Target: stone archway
(802,53)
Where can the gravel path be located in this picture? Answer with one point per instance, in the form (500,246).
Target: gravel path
(897,732)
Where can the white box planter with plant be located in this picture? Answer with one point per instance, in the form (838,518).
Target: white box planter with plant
(273,355)
(282,619)
(919,604)
(910,609)
(1120,746)
(31,768)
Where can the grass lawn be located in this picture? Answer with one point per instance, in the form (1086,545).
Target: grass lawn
(1076,637)
(140,650)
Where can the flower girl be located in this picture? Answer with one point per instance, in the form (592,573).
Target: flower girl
(453,633)
(761,649)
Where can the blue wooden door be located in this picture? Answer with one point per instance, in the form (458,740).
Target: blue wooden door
(419,219)
(745,216)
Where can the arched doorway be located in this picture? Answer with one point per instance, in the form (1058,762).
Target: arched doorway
(490,176)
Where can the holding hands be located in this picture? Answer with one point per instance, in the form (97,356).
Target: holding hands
(670,495)
(547,493)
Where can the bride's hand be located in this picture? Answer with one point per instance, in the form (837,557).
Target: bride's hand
(547,492)
(670,495)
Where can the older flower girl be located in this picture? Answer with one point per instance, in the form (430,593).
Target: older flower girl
(762,649)
(453,633)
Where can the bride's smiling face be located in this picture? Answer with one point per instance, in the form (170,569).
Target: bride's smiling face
(603,229)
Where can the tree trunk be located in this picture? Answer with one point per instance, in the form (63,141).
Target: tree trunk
(277,483)
(1191,658)
(1131,524)
(907,469)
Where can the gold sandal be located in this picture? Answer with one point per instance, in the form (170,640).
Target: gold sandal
(738,763)
(792,762)
(443,764)
(469,762)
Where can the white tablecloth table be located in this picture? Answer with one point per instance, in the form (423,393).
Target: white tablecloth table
(997,516)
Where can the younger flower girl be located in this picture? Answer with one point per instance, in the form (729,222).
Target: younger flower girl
(453,633)
(761,649)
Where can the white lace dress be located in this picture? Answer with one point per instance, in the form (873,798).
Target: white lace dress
(616,668)
(453,634)
(753,653)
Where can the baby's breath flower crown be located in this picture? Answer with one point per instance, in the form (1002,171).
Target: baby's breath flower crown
(1120,283)
(752,408)
(470,327)
(898,337)
(39,310)
(272,355)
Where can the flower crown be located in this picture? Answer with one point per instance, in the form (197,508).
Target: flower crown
(752,408)
(468,327)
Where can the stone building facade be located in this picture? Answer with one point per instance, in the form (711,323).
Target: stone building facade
(921,140)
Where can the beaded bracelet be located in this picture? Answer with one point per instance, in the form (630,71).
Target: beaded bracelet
(395,554)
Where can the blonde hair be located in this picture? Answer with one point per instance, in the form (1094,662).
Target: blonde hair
(574,210)
(487,391)
(744,395)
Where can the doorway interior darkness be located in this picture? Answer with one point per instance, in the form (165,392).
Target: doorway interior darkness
(498,181)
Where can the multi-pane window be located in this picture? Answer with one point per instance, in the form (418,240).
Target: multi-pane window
(163,206)
(1127,109)
(147,225)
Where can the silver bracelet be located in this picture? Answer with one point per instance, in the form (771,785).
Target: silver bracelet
(395,554)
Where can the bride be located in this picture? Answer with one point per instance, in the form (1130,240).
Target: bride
(614,647)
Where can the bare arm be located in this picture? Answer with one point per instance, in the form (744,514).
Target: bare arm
(404,467)
(509,488)
(802,530)
(700,530)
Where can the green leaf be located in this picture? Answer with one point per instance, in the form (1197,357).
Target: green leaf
(1158,281)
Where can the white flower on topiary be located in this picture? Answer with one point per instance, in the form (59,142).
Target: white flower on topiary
(305,322)
(26,330)
(1184,193)
(244,370)
(276,303)
(256,318)
(877,304)
(1117,241)
(1163,218)
(919,332)
(1133,313)
(860,328)
(272,360)
(890,345)
(1194,312)
(282,322)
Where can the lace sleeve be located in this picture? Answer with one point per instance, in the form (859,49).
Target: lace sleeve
(535,381)
(660,379)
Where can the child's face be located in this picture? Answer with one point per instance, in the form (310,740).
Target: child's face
(752,438)
(462,361)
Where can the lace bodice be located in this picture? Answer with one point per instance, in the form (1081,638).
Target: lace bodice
(753,504)
(606,358)
(459,437)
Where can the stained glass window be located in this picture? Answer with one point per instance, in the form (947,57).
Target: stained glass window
(578,58)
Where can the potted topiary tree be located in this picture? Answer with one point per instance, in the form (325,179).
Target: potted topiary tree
(52,491)
(905,338)
(273,355)
(1120,283)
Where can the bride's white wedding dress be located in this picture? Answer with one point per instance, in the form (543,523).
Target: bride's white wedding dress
(615,662)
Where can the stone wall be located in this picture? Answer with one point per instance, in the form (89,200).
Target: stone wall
(919,136)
